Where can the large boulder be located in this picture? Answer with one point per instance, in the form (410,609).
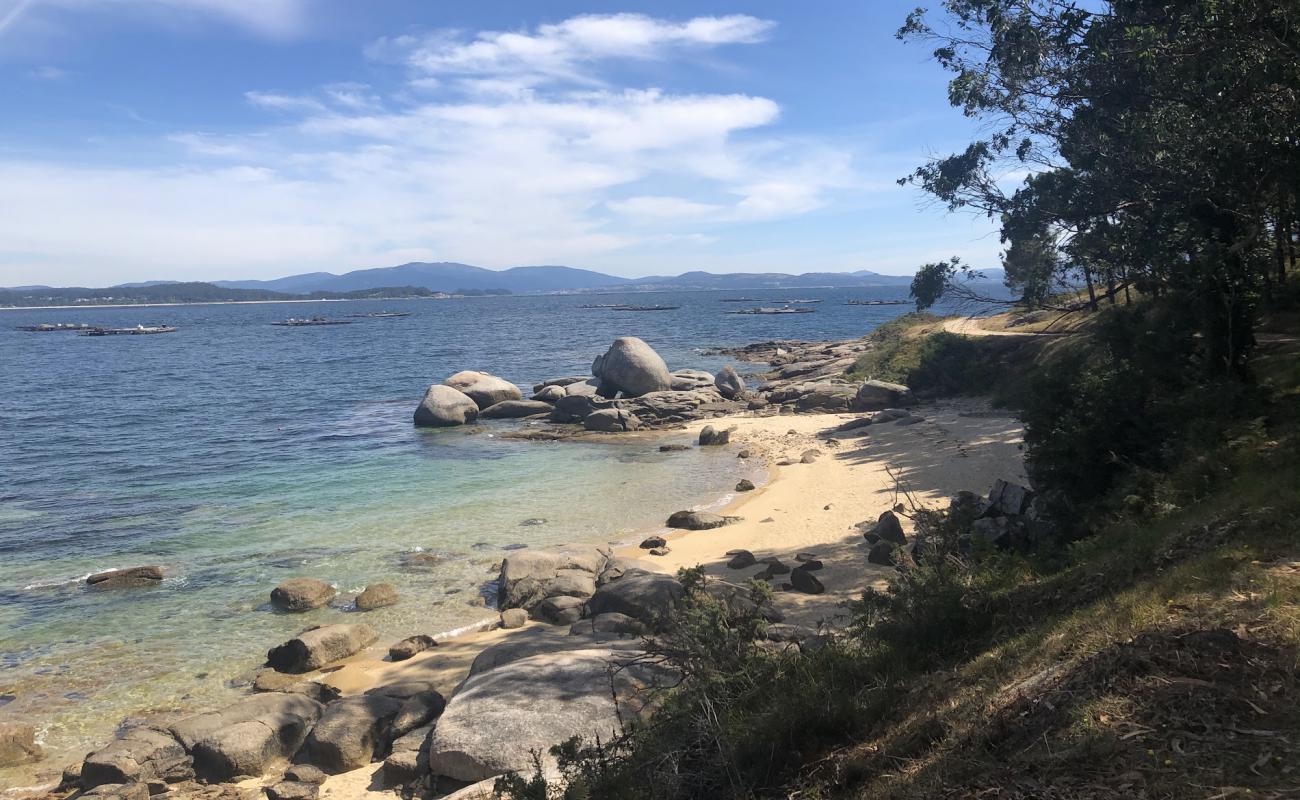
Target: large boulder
(351,732)
(632,367)
(611,420)
(712,437)
(376,595)
(646,596)
(514,409)
(314,648)
(302,594)
(729,383)
(879,395)
(249,738)
(500,717)
(18,744)
(131,577)
(445,407)
(826,397)
(484,389)
(137,755)
(1007,499)
(530,576)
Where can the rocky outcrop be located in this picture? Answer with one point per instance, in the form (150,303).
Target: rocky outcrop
(410,647)
(18,744)
(515,409)
(878,395)
(559,610)
(484,389)
(530,576)
(316,647)
(376,595)
(250,738)
(645,596)
(302,594)
(631,367)
(131,577)
(610,625)
(729,383)
(698,520)
(611,420)
(138,755)
(500,717)
(576,408)
(445,407)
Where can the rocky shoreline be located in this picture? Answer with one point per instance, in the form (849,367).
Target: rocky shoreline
(582,609)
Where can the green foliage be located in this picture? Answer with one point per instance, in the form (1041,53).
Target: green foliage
(938,364)
(931,281)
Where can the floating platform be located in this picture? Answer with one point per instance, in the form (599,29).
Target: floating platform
(293,322)
(138,330)
(797,302)
(644,308)
(381,315)
(774,311)
(877,302)
(48,327)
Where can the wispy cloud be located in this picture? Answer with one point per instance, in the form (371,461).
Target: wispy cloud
(274,18)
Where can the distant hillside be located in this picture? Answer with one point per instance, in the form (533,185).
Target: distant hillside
(162,292)
(439,277)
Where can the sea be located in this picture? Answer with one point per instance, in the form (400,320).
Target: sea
(237,454)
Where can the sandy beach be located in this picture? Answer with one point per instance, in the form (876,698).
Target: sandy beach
(802,508)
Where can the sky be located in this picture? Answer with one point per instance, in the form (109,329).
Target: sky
(234,139)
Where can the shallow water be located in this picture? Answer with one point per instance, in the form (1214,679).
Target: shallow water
(238,454)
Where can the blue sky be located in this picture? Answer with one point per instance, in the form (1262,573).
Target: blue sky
(211,139)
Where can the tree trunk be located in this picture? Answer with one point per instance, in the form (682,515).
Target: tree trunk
(1092,291)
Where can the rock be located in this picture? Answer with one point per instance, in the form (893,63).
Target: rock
(804,558)
(729,383)
(444,407)
(131,577)
(549,394)
(909,420)
(889,529)
(499,718)
(882,553)
(351,732)
(802,579)
(114,791)
(410,646)
(514,618)
(673,448)
(137,755)
(877,395)
(809,456)
(810,564)
(742,559)
(745,485)
(888,414)
(268,680)
(302,594)
(1008,499)
(743,454)
(530,576)
(313,649)
(559,610)
(421,560)
(247,738)
(648,597)
(531,521)
(305,773)
(18,744)
(409,760)
(575,408)
(484,389)
(994,530)
(609,625)
(823,397)
(418,710)
(586,388)
(651,542)
(660,551)
(711,437)
(377,595)
(632,367)
(292,790)
(698,520)
(611,420)
(514,409)
(685,380)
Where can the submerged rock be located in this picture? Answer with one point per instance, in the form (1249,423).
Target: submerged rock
(18,744)
(302,594)
(131,577)
(632,367)
(376,595)
(445,407)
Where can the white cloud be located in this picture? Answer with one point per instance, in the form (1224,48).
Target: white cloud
(568,50)
(48,73)
(343,177)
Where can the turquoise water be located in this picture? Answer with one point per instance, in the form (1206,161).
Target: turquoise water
(237,454)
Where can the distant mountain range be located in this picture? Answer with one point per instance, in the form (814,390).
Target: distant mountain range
(452,277)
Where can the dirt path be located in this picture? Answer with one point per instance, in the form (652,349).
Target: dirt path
(969,326)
